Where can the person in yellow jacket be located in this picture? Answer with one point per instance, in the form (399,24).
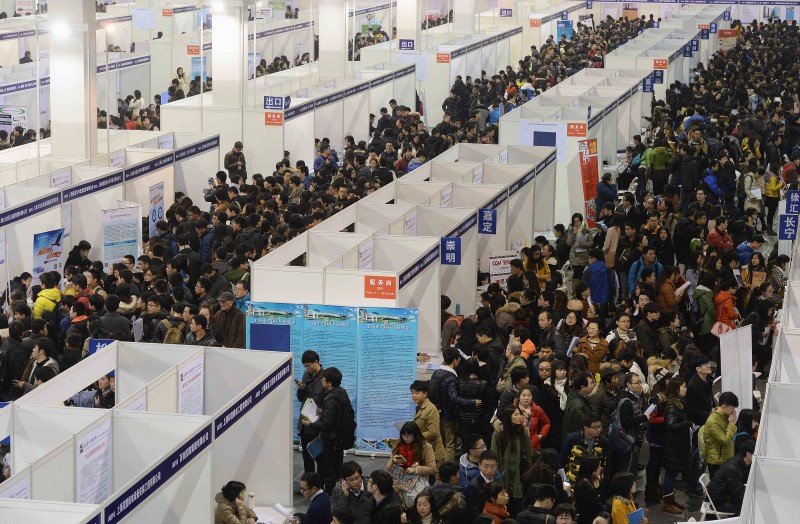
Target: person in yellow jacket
(716,440)
(623,490)
(48,297)
(535,263)
(772,195)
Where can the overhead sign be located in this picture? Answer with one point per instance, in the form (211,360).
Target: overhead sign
(442,58)
(505,13)
(687,51)
(658,76)
(166,12)
(451,251)
(406,44)
(276,103)
(660,63)
(273,118)
(704,34)
(192,49)
(793,202)
(695,45)
(712,28)
(536,22)
(564,15)
(787,227)
(726,15)
(487,221)
(647,84)
(576,129)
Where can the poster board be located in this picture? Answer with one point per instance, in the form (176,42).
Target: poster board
(47,251)
(121,234)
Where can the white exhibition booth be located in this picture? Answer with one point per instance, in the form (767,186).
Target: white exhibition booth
(603,104)
(157,434)
(34,203)
(41,512)
(464,56)
(334,108)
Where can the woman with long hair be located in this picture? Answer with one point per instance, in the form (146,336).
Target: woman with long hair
(746,428)
(665,252)
(776,272)
(424,510)
(545,471)
(692,273)
(477,418)
(587,498)
(553,400)
(412,453)
(571,326)
(537,264)
(677,442)
(667,287)
(514,451)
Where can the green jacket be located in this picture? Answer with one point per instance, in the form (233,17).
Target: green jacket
(510,462)
(718,438)
(647,158)
(660,158)
(576,409)
(705,306)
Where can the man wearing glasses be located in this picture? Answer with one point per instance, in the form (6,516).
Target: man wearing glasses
(468,464)
(587,442)
(633,421)
(351,495)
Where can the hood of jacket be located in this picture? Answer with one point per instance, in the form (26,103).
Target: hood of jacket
(722,297)
(51,293)
(509,307)
(220,499)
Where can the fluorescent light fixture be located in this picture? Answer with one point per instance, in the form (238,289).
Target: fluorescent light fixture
(60,29)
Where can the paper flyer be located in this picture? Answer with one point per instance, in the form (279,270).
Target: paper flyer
(190,387)
(93,461)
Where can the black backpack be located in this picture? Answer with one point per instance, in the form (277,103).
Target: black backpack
(434,394)
(346,427)
(741,196)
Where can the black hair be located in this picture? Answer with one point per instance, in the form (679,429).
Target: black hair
(232,489)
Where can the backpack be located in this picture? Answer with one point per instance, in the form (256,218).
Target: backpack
(346,427)
(701,443)
(457,319)
(174,334)
(619,440)
(741,196)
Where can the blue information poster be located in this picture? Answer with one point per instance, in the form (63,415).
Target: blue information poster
(47,251)
(387,349)
(331,331)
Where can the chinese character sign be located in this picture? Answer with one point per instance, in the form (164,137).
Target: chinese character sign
(647,84)
(787,228)
(505,13)
(376,286)
(451,251)
(793,202)
(487,221)
(658,76)
(406,44)
(274,103)
(587,153)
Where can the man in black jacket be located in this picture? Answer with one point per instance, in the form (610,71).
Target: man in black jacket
(14,359)
(387,509)
(336,401)
(446,377)
(310,386)
(726,488)
(235,163)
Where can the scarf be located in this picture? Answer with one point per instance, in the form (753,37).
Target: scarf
(498,512)
(562,395)
(407,452)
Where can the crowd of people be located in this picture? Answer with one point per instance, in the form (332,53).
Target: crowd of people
(602,343)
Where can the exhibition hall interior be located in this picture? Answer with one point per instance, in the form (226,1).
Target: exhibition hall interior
(410,261)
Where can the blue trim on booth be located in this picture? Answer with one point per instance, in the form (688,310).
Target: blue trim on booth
(419,266)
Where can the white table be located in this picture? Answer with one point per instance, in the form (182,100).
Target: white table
(268,515)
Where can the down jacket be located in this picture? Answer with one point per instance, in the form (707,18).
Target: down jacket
(677,439)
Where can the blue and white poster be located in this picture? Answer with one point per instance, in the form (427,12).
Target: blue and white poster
(451,251)
(47,251)
(275,327)
(564,28)
(793,202)
(387,365)
(156,207)
(196,68)
(487,221)
(96,344)
(121,230)
(787,227)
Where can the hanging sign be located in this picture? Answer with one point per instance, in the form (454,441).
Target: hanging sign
(376,286)
(451,251)
(487,221)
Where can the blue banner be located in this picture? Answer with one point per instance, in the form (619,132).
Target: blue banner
(658,76)
(564,28)
(726,15)
(793,202)
(687,51)
(197,149)
(387,350)
(47,250)
(451,251)
(712,28)
(647,84)
(487,221)
(787,227)
(275,327)
(98,343)
(704,34)
(695,45)
(564,15)
(406,44)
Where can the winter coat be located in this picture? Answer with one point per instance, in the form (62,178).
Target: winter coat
(313,390)
(718,438)
(230,327)
(387,511)
(449,400)
(336,400)
(505,314)
(595,353)
(745,252)
(728,483)
(539,425)
(605,193)
(575,448)
(468,470)
(550,402)
(699,400)
(725,305)
(509,462)
(610,246)
(359,506)
(604,402)
(46,300)
(720,240)
(579,258)
(505,379)
(705,307)
(635,271)
(427,419)
(577,408)
(666,298)
(677,438)
(646,335)
(228,512)
(424,465)
(599,278)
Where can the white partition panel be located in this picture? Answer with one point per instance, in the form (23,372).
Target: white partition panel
(41,512)
(773,484)
(780,422)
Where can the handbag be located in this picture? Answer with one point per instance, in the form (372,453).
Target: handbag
(719,328)
(407,486)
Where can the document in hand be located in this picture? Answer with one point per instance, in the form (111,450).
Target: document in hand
(309,410)
(636,517)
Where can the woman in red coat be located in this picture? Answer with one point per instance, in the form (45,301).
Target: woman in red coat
(725,302)
(536,420)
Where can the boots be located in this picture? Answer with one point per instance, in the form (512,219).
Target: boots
(675,503)
(668,504)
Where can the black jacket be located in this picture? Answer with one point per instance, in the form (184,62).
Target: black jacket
(115,323)
(360,506)
(727,484)
(677,441)
(336,400)
(14,360)
(387,511)
(314,390)
(699,400)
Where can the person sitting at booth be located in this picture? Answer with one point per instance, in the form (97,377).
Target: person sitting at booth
(230,505)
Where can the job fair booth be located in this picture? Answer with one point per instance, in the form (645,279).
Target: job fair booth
(191,380)
(587,129)
(40,512)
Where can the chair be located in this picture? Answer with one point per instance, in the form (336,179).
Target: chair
(566,278)
(708,506)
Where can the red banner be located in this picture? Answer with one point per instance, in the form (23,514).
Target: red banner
(587,152)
